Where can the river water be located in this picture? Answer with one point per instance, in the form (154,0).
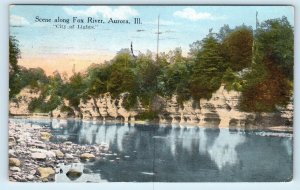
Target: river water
(166,153)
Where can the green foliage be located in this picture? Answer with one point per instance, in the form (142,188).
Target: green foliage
(222,58)
(224,32)
(269,84)
(121,80)
(175,79)
(148,115)
(74,89)
(147,72)
(67,109)
(96,80)
(237,48)
(33,77)
(14,78)
(275,42)
(40,105)
(208,69)
(272,90)
(232,81)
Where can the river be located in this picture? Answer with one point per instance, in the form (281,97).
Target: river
(166,153)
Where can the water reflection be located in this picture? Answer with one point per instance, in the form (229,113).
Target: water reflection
(178,153)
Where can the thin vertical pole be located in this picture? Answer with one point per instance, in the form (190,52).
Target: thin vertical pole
(157,48)
(254,32)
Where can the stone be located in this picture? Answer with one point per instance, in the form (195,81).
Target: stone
(76,160)
(30,177)
(12,141)
(58,153)
(45,136)
(69,156)
(73,174)
(39,144)
(87,171)
(38,156)
(45,172)
(15,169)
(11,153)
(14,162)
(68,143)
(50,154)
(87,157)
(45,180)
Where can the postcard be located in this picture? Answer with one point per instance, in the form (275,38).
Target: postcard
(150,93)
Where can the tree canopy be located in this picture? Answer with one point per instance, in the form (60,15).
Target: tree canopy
(258,63)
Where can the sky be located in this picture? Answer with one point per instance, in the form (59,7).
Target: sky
(52,48)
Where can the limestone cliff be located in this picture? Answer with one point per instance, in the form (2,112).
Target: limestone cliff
(220,110)
(19,105)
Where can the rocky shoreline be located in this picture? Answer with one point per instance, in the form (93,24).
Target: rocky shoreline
(33,158)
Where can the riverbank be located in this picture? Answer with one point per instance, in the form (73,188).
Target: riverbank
(279,128)
(33,158)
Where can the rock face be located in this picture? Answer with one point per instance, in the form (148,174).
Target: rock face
(220,110)
(106,107)
(19,106)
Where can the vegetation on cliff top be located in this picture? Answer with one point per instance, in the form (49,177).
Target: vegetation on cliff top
(263,72)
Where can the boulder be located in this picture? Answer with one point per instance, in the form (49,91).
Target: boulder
(38,144)
(45,172)
(30,177)
(68,143)
(69,156)
(15,169)
(49,153)
(12,141)
(58,153)
(73,174)
(14,162)
(87,157)
(87,171)
(45,136)
(11,153)
(38,156)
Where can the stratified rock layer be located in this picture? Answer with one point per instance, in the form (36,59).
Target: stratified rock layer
(221,110)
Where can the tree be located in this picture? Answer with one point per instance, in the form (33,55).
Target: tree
(147,72)
(275,43)
(231,80)
(14,70)
(270,82)
(74,89)
(265,89)
(237,48)
(97,80)
(175,77)
(223,32)
(208,69)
